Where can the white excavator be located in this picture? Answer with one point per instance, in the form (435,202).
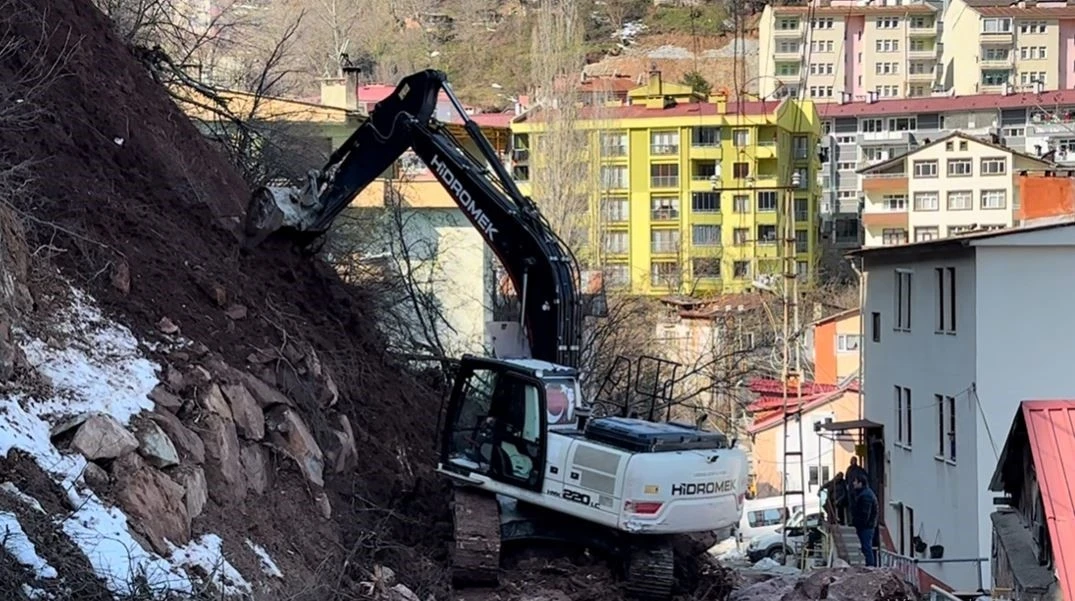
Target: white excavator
(527,460)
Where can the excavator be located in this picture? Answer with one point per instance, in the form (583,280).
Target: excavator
(527,460)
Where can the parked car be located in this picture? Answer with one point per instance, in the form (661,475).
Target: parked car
(772,545)
(764,516)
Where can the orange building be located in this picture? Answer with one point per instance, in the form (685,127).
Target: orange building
(837,339)
(1045,195)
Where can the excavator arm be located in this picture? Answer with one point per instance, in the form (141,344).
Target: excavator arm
(542,269)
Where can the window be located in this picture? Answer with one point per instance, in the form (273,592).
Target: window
(767,517)
(891,236)
(767,201)
(766,234)
(925,201)
(664,241)
(787,24)
(616,242)
(802,209)
(960,200)
(616,209)
(926,233)
(613,176)
(814,475)
(800,147)
(664,142)
(617,274)
(664,208)
(903,416)
(664,175)
(871,125)
(705,171)
(703,268)
(740,137)
(740,170)
(705,136)
(946,427)
(875,325)
(848,343)
(614,144)
(741,269)
(741,203)
(802,241)
(903,300)
(705,202)
(994,199)
(664,274)
(946,299)
(960,168)
(740,236)
(924,169)
(994,166)
(705,235)
(1000,25)
(894,202)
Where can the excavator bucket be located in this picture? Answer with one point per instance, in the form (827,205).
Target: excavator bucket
(263,217)
(275,209)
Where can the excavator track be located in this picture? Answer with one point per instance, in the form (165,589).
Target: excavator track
(650,572)
(475,553)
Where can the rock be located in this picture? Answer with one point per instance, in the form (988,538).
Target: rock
(244,409)
(545,595)
(260,357)
(67,424)
(154,502)
(323,504)
(257,465)
(179,357)
(236,312)
(399,592)
(223,465)
(197,378)
(212,400)
(173,379)
(167,326)
(195,489)
(102,437)
(834,584)
(293,353)
(290,435)
(154,445)
(121,277)
(342,455)
(198,349)
(329,393)
(11,356)
(189,446)
(165,400)
(96,477)
(265,395)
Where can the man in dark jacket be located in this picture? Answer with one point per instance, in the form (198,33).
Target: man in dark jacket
(835,499)
(864,515)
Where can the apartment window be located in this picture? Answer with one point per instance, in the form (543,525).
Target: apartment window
(887,68)
(766,234)
(925,201)
(740,236)
(741,203)
(740,137)
(921,22)
(767,201)
(871,125)
(903,416)
(616,242)
(1032,53)
(787,69)
(802,209)
(664,208)
(705,235)
(891,236)
(614,176)
(664,241)
(617,274)
(995,77)
(888,45)
(800,147)
(848,343)
(616,209)
(994,199)
(875,326)
(960,200)
(960,168)
(787,24)
(926,233)
(664,176)
(741,269)
(1032,26)
(705,136)
(802,241)
(995,54)
(614,144)
(894,202)
(903,124)
(946,427)
(997,25)
(664,142)
(1028,78)
(802,268)
(664,274)
(740,170)
(888,22)
(925,169)
(705,268)
(946,299)
(902,300)
(705,202)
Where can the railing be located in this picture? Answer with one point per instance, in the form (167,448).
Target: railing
(885,175)
(937,593)
(663,149)
(905,566)
(614,150)
(664,214)
(664,181)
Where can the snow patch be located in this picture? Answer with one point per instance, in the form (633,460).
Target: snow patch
(207,554)
(21,547)
(35,593)
(267,564)
(728,551)
(15,493)
(629,31)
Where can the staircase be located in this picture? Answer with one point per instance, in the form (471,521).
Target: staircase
(847,545)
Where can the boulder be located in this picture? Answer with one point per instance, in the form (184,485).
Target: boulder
(833,584)
(189,446)
(400,592)
(289,434)
(257,465)
(153,501)
(265,395)
(236,312)
(102,437)
(173,379)
(196,377)
(163,399)
(155,445)
(212,400)
(245,410)
(340,452)
(96,477)
(195,489)
(223,465)
(167,326)
(121,277)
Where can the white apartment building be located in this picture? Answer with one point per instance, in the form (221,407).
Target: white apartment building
(957,332)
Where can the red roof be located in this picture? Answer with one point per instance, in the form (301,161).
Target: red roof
(807,404)
(689,109)
(766,386)
(492,119)
(940,104)
(1051,429)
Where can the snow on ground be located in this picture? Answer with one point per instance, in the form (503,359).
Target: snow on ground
(15,493)
(20,546)
(267,564)
(207,554)
(629,31)
(728,551)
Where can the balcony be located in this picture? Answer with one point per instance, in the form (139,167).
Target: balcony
(788,54)
(883,217)
(765,149)
(924,30)
(664,149)
(614,151)
(997,38)
(884,182)
(921,77)
(994,62)
(927,53)
(664,214)
(795,32)
(664,181)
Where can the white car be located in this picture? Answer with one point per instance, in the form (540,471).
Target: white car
(772,545)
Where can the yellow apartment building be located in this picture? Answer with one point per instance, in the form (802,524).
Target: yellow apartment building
(995,46)
(840,50)
(952,185)
(688,192)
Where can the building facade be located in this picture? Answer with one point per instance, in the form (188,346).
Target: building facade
(952,185)
(956,330)
(688,193)
(836,342)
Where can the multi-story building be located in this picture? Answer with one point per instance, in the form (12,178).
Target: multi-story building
(859,134)
(952,185)
(688,192)
(957,332)
(993,46)
(842,50)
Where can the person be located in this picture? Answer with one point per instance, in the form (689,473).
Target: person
(839,498)
(854,470)
(829,494)
(864,514)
